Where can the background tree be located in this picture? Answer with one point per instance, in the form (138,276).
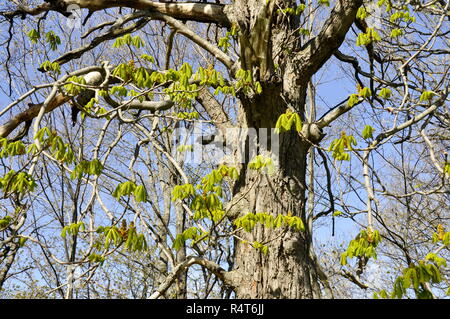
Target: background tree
(94,177)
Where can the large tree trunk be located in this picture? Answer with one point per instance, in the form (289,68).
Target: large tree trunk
(288,269)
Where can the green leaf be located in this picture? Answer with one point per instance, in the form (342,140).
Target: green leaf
(53,40)
(447,168)
(34,36)
(124,189)
(381,294)
(263,248)
(186,69)
(148,58)
(192,233)
(410,272)
(300,8)
(362,13)
(93,167)
(64,232)
(371,35)
(304,31)
(404,15)
(127,39)
(137,42)
(182,191)
(258,87)
(49,66)
(427,96)
(288,120)
(365,93)
(261,162)
(140,194)
(297,223)
(385,93)
(343,259)
(338,147)
(363,245)
(22,241)
(353,100)
(125,72)
(119,91)
(5,221)
(73,88)
(337,213)
(368,132)
(95,258)
(45,131)
(395,33)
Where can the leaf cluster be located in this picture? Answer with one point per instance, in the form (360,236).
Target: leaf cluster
(94,167)
(249,221)
(73,229)
(287,121)
(8,149)
(130,188)
(363,245)
(370,36)
(73,88)
(17,182)
(340,145)
(193,233)
(261,162)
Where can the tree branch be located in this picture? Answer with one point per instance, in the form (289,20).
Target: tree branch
(92,74)
(354,279)
(194,11)
(222,274)
(193,36)
(115,31)
(319,49)
(214,109)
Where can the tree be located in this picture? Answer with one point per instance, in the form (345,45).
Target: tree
(112,181)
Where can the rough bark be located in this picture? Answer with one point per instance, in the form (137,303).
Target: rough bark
(288,270)
(285,271)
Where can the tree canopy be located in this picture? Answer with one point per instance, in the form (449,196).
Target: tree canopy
(232,148)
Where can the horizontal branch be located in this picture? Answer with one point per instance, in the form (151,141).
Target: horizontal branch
(433,107)
(222,274)
(114,32)
(335,113)
(193,11)
(92,75)
(117,30)
(135,104)
(354,279)
(30,114)
(355,63)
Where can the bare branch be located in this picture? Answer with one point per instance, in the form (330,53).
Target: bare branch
(222,274)
(200,12)
(319,49)
(55,102)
